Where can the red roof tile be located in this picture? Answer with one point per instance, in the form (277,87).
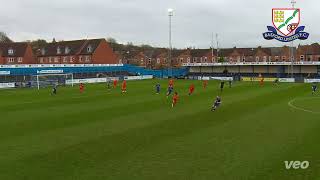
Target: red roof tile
(77,47)
(19,49)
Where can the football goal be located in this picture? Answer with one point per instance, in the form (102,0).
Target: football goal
(47,80)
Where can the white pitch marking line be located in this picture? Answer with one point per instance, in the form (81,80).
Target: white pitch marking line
(290,103)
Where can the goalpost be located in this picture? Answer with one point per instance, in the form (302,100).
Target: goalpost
(46,80)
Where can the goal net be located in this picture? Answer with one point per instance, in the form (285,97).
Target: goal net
(49,80)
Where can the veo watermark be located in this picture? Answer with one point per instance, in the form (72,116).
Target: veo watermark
(296,164)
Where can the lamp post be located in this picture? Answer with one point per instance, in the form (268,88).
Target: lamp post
(170,14)
(293,2)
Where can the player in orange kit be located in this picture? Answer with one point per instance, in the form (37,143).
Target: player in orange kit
(205,84)
(124,86)
(175,99)
(262,81)
(171,83)
(191,89)
(81,87)
(115,82)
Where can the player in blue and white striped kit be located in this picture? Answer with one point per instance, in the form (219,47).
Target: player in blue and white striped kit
(158,86)
(314,88)
(170,90)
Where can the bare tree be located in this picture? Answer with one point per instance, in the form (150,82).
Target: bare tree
(111,40)
(37,44)
(146,47)
(4,38)
(113,43)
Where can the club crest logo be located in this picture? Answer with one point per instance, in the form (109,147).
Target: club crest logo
(286,21)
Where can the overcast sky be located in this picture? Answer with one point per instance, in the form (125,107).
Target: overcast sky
(238,22)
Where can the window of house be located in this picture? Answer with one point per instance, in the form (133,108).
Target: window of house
(238,58)
(89,49)
(205,59)
(71,59)
(80,58)
(302,58)
(318,58)
(277,58)
(41,60)
(194,60)
(213,59)
(67,50)
(264,58)
(58,50)
(56,60)
(257,58)
(20,60)
(309,58)
(50,60)
(87,58)
(283,58)
(270,58)
(149,60)
(181,60)
(10,51)
(64,59)
(158,60)
(43,51)
(188,60)
(243,58)
(10,60)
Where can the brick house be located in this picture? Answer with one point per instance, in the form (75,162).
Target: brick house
(138,58)
(249,55)
(308,52)
(281,54)
(127,57)
(224,54)
(178,57)
(182,55)
(16,53)
(194,56)
(120,58)
(135,57)
(153,58)
(93,51)
(202,55)
(241,55)
(160,58)
(262,54)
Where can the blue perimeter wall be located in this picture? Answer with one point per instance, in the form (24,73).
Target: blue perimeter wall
(18,71)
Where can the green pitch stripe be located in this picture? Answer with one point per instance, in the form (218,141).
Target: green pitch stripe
(289,19)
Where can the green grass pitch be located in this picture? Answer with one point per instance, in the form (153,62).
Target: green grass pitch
(102,135)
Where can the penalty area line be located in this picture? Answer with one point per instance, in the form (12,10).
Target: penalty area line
(290,104)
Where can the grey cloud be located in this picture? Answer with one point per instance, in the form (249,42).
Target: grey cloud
(238,22)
